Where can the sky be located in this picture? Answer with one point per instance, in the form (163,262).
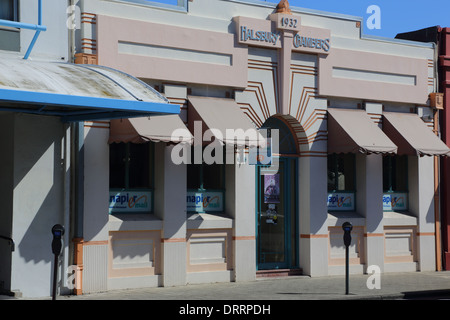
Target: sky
(395,16)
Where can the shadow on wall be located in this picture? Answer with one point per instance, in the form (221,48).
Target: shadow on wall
(36,202)
(38,197)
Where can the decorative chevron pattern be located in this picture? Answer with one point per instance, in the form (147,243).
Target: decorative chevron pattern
(307,94)
(307,112)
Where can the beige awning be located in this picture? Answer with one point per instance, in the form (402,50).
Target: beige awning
(225,119)
(164,128)
(412,135)
(352,131)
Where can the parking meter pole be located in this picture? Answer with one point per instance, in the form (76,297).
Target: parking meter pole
(347,227)
(55,277)
(346,270)
(57,232)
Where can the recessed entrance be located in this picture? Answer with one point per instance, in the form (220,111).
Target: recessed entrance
(276,207)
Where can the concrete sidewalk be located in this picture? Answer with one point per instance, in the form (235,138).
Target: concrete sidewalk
(416,285)
(392,286)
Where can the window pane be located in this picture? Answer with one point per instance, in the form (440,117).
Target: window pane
(341,172)
(7,9)
(387,183)
(172,2)
(331,172)
(117,165)
(155,2)
(130,165)
(139,166)
(208,176)
(213,176)
(204,175)
(395,173)
(346,179)
(193,176)
(401,173)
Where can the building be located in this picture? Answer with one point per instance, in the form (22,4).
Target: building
(445,179)
(43,98)
(149,198)
(354,118)
(440,36)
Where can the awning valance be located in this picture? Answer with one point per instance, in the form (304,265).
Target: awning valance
(225,119)
(412,135)
(352,131)
(168,128)
(76,92)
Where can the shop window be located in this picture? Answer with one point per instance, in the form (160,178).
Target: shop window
(395,183)
(205,187)
(131,177)
(341,182)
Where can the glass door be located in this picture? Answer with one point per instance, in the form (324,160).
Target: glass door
(276,207)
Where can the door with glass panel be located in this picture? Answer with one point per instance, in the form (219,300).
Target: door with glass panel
(276,216)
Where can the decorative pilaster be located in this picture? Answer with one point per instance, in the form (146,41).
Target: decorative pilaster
(85,58)
(78,262)
(88,54)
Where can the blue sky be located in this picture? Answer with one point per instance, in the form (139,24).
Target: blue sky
(396,16)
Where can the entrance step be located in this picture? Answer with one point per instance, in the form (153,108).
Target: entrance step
(278,273)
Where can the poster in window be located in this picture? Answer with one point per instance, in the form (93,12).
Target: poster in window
(395,201)
(129,201)
(341,201)
(204,201)
(272,188)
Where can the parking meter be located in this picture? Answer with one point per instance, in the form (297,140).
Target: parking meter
(58,232)
(347,227)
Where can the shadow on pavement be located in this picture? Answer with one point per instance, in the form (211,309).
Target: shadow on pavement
(427,295)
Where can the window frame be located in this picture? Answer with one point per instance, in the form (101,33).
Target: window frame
(344,193)
(201,188)
(390,192)
(127,188)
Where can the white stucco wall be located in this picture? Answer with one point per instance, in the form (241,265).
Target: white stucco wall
(53,43)
(38,201)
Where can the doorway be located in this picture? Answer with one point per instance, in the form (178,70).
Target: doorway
(276,217)
(277,207)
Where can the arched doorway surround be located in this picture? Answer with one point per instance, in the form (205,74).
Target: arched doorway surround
(277,204)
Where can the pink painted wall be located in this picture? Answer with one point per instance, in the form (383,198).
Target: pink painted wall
(373,90)
(111,31)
